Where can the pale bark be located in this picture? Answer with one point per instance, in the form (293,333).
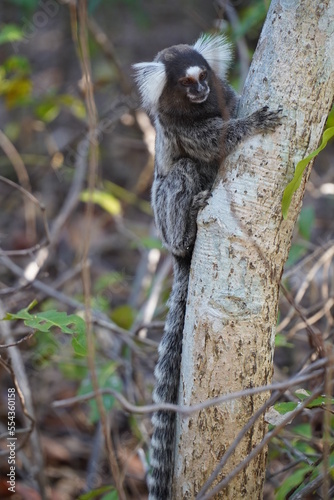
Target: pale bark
(242,245)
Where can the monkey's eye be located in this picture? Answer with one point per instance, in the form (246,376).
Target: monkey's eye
(203,76)
(186,81)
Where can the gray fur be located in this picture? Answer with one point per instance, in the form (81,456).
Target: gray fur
(192,140)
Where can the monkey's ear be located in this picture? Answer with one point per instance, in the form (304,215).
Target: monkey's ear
(151,79)
(217,51)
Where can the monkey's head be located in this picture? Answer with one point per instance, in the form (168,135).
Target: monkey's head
(183,75)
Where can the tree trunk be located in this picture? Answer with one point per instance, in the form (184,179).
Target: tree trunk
(242,245)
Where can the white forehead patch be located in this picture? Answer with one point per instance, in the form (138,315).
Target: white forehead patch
(194,72)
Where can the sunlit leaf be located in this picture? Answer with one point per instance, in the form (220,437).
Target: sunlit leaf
(10,33)
(16,90)
(75,105)
(128,197)
(105,200)
(47,111)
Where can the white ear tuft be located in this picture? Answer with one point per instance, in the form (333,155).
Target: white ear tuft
(217,51)
(151,79)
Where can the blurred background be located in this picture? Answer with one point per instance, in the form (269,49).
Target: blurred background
(46,122)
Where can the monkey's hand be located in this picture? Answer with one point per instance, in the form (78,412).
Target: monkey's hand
(200,200)
(266,120)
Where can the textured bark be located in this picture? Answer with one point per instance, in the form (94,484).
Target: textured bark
(242,245)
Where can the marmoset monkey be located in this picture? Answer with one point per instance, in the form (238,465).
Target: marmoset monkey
(194,110)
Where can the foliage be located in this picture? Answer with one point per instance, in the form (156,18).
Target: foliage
(107,378)
(110,494)
(15,81)
(47,321)
(299,171)
(59,342)
(10,33)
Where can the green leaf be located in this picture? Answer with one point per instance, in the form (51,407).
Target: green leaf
(300,167)
(128,197)
(319,401)
(297,251)
(17,64)
(74,369)
(284,408)
(294,479)
(47,111)
(79,343)
(112,495)
(46,321)
(330,119)
(91,495)
(107,378)
(123,316)
(75,105)
(303,430)
(10,33)
(28,5)
(16,90)
(45,348)
(281,341)
(106,201)
(306,222)
(107,281)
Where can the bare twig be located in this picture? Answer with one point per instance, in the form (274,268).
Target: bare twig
(41,206)
(316,341)
(319,260)
(255,451)
(187,410)
(23,339)
(22,174)
(109,51)
(98,317)
(81,43)
(327,422)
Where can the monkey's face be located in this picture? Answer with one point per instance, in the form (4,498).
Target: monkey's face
(188,77)
(183,77)
(195,84)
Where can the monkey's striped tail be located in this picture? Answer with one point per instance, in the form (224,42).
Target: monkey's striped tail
(167,373)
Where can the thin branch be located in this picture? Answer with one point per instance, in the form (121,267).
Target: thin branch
(81,42)
(98,317)
(255,451)
(187,410)
(37,203)
(23,339)
(316,341)
(22,174)
(109,51)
